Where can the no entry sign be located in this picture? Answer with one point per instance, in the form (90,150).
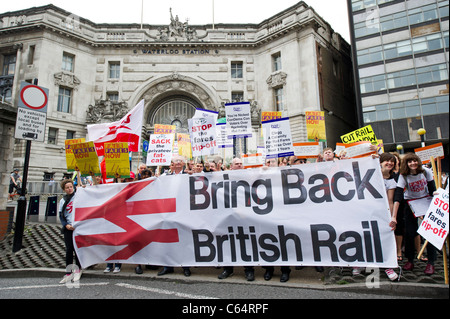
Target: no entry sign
(31,112)
(34,97)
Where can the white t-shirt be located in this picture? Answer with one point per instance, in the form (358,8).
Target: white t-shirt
(415,185)
(390,184)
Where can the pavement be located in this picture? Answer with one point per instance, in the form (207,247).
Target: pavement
(44,250)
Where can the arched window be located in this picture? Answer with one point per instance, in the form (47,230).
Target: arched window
(174,110)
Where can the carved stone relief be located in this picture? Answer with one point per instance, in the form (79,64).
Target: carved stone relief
(106,111)
(277,80)
(67,80)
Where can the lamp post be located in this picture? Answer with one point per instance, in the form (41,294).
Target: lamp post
(422,133)
(400,149)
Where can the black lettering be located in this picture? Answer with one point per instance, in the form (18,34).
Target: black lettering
(199,192)
(262,201)
(270,247)
(288,200)
(206,244)
(354,245)
(365,182)
(283,240)
(328,243)
(334,187)
(325,187)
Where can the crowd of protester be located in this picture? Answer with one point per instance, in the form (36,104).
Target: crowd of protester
(397,171)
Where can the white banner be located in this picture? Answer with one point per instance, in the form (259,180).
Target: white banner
(329,214)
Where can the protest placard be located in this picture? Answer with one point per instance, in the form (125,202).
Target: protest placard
(365,133)
(315,126)
(252,160)
(206,113)
(221,136)
(269,116)
(165,129)
(427,152)
(358,149)
(239,121)
(277,138)
(434,226)
(86,158)
(184,145)
(160,149)
(70,159)
(307,150)
(117,161)
(203,136)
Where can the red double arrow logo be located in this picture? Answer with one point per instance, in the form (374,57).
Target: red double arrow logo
(117,211)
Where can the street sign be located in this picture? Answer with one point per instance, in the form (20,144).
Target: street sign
(31,112)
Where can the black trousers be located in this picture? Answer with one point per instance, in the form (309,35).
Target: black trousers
(70,250)
(411,227)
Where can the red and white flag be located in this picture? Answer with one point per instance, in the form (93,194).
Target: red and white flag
(128,129)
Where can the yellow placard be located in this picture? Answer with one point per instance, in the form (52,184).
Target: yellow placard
(363,134)
(184,145)
(86,158)
(117,160)
(268,116)
(70,159)
(315,126)
(165,129)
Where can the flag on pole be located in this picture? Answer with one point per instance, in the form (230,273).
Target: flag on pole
(128,129)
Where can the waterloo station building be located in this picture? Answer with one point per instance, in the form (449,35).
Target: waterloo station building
(292,62)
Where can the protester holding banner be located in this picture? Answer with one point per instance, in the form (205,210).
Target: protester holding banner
(387,163)
(285,270)
(414,182)
(236,164)
(176,167)
(66,218)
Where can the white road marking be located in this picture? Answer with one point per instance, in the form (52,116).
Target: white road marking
(164,292)
(51,286)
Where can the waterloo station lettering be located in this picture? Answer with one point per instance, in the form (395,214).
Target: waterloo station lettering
(176,51)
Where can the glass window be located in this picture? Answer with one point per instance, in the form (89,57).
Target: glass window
(114,70)
(237,70)
(423,14)
(67,62)
(237,97)
(370,117)
(70,135)
(9,64)
(52,136)
(279,100)
(383,115)
(398,113)
(276,60)
(64,100)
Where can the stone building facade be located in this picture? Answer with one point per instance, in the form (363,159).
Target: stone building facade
(291,62)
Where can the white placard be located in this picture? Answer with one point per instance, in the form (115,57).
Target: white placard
(239,120)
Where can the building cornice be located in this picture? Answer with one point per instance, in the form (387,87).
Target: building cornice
(55,19)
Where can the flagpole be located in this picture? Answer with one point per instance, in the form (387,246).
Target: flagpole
(213,14)
(142,14)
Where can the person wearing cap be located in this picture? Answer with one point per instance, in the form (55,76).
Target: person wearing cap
(14,183)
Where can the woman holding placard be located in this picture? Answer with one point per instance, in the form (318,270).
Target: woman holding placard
(414,182)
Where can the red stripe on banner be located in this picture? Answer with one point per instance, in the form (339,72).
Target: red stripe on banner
(116,210)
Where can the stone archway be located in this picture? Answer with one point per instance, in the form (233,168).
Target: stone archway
(176,88)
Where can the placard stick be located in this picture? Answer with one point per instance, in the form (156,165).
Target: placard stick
(439,173)
(444,254)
